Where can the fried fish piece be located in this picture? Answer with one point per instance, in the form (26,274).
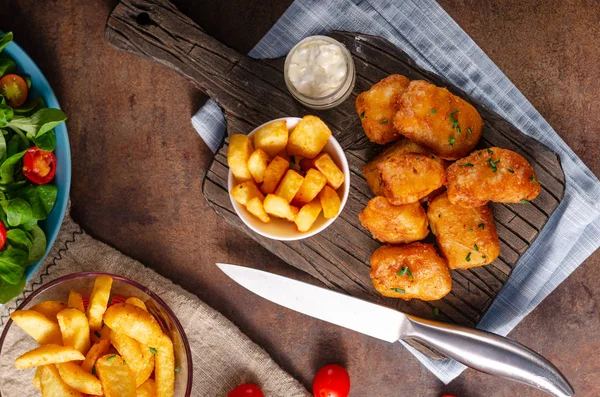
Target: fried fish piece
(395,224)
(492,174)
(439,120)
(407,178)
(467,237)
(413,271)
(377,107)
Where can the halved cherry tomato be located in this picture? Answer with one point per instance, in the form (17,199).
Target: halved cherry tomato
(2,235)
(14,88)
(331,381)
(246,390)
(39,166)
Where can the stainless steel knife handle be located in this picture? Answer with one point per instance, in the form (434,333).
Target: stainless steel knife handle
(491,354)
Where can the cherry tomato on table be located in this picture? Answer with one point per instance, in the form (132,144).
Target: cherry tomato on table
(2,235)
(246,390)
(39,166)
(331,381)
(14,88)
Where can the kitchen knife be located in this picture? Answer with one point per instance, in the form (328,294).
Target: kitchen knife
(480,350)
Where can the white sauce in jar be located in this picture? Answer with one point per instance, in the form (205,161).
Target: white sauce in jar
(317,68)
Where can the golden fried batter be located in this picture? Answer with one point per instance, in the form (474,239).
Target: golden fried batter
(466,236)
(410,271)
(492,174)
(439,120)
(406,178)
(395,224)
(377,107)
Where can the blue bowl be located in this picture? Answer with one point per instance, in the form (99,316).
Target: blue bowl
(40,87)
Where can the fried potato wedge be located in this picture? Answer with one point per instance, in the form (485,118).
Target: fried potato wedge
(97,350)
(378,106)
(467,237)
(309,137)
(272,138)
(98,301)
(47,354)
(164,371)
(308,214)
(412,271)
(409,177)
(325,164)
(280,208)
(256,208)
(132,300)
(147,365)
(134,322)
(439,120)
(52,385)
(394,224)
(330,201)
(116,377)
(246,191)
(313,183)
(77,378)
(129,349)
(275,171)
(37,378)
(492,174)
(238,153)
(257,164)
(75,301)
(49,308)
(289,186)
(75,329)
(147,389)
(38,326)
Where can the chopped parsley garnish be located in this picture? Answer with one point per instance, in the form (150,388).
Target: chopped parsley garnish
(469,131)
(439,215)
(436,312)
(451,141)
(524,201)
(433,157)
(153,350)
(479,152)
(383,121)
(111,357)
(454,121)
(482,226)
(493,164)
(124,362)
(433,111)
(362,115)
(177,369)
(93,370)
(476,247)
(405,270)
(510,170)
(452,113)
(468,257)
(466,165)
(533,179)
(490,151)
(483,256)
(471,230)
(398,290)
(98,334)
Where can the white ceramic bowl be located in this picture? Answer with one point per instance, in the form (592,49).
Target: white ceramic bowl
(279,229)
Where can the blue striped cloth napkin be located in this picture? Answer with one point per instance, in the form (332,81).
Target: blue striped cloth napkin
(426,32)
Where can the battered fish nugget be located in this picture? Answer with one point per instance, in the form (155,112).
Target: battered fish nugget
(492,174)
(407,178)
(413,271)
(467,237)
(377,107)
(434,117)
(395,224)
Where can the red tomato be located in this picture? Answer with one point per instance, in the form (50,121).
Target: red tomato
(2,235)
(14,88)
(39,166)
(331,381)
(246,390)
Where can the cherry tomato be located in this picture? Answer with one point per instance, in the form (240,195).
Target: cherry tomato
(331,381)
(246,390)
(14,88)
(2,235)
(39,166)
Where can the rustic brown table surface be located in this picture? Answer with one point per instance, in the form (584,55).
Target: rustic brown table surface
(138,166)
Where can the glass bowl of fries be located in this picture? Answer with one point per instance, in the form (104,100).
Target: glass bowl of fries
(94,334)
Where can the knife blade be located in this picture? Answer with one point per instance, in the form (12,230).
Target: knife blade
(480,350)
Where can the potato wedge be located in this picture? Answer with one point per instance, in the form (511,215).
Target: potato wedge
(275,171)
(52,385)
(49,308)
(335,176)
(48,354)
(279,207)
(307,215)
(133,322)
(77,378)
(309,137)
(238,153)
(147,389)
(148,365)
(289,186)
(246,191)
(38,326)
(311,186)
(75,329)
(255,207)
(75,301)
(99,301)
(330,201)
(129,349)
(164,371)
(272,138)
(97,350)
(37,378)
(257,164)
(116,377)
(132,300)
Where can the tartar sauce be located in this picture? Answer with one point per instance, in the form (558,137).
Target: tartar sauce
(317,68)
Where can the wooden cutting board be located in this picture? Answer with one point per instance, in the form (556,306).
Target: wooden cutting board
(251,92)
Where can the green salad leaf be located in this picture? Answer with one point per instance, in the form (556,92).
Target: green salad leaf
(9,291)
(7,169)
(12,261)
(5,38)
(39,123)
(7,65)
(18,212)
(38,247)
(18,238)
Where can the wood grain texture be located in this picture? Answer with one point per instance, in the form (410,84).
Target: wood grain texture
(252,92)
